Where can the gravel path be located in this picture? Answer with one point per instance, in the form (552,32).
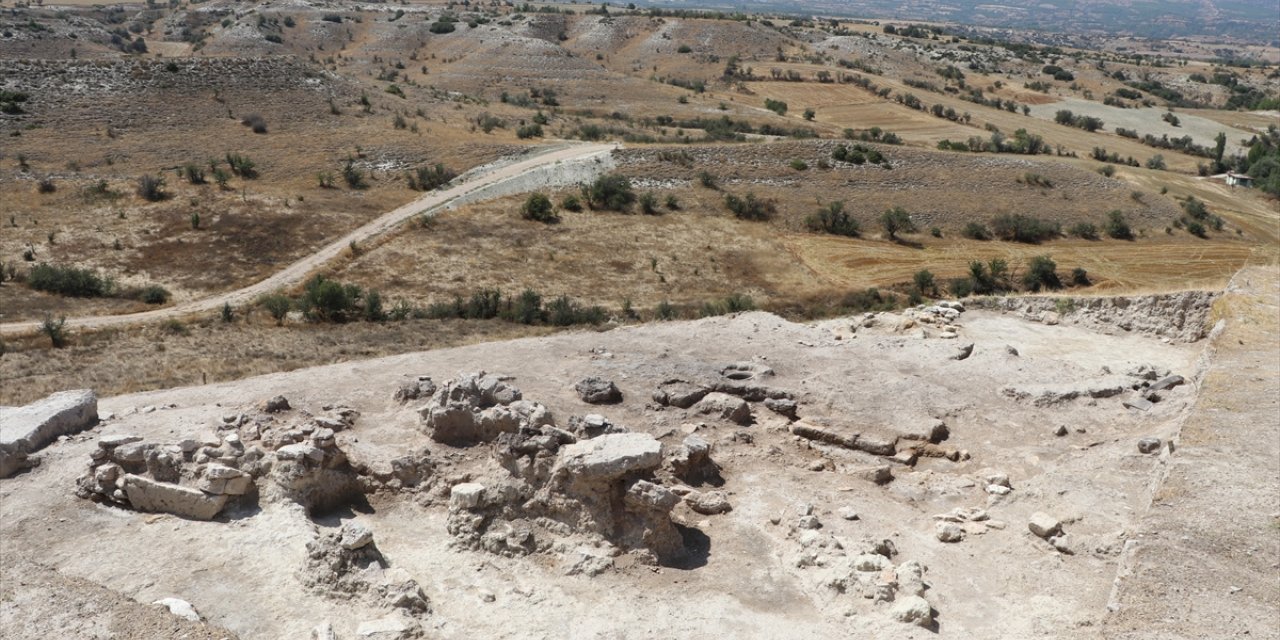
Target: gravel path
(559,165)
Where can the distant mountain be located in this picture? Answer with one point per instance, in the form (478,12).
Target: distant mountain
(1253,20)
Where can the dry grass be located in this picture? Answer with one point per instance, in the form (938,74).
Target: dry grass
(157,357)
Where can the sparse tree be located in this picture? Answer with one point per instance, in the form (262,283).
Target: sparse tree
(895,221)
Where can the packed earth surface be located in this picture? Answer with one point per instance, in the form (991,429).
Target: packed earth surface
(987,468)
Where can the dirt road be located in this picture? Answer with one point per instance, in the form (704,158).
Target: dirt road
(299,271)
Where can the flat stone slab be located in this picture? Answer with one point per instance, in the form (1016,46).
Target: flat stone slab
(146,494)
(26,430)
(611,456)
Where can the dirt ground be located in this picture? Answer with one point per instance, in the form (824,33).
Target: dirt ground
(996,583)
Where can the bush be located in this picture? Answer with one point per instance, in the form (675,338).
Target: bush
(673,203)
(193,172)
(55,330)
(529,131)
(151,188)
(777,106)
(1118,227)
(1196,229)
(895,221)
(441,26)
(649,204)
(328,300)
(799,165)
(276,304)
(353,175)
(1195,208)
(611,192)
(69,281)
(571,203)
(834,220)
(750,207)
(961,287)
(154,294)
(1080,277)
(975,231)
(1042,273)
(429,178)
(1156,162)
(707,179)
(1020,228)
(255,122)
(924,283)
(1085,230)
(538,208)
(242,166)
(733,303)
(46,185)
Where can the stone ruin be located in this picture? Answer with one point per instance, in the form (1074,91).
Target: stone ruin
(347,563)
(596,482)
(246,458)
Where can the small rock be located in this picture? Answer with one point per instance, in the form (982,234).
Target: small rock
(782,406)
(1148,445)
(818,465)
(847,513)
(709,503)
(110,442)
(383,629)
(998,490)
(1060,431)
(595,390)
(1062,543)
(963,351)
(1138,402)
(180,608)
(467,495)
(725,406)
(1010,350)
(809,522)
(1044,525)
(355,536)
(912,610)
(949,532)
(276,404)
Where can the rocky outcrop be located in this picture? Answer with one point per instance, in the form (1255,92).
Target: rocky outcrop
(1180,317)
(476,408)
(28,429)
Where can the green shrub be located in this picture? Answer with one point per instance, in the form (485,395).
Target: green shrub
(1085,230)
(961,287)
(242,166)
(276,304)
(328,300)
(154,294)
(895,221)
(529,131)
(732,303)
(151,188)
(1021,228)
(975,231)
(777,106)
(1117,227)
(571,203)
(799,165)
(1196,229)
(353,175)
(750,207)
(611,192)
(69,281)
(1042,273)
(55,330)
(924,283)
(649,204)
(430,178)
(538,207)
(1080,277)
(708,180)
(834,220)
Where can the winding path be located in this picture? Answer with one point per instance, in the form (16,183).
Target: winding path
(299,271)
